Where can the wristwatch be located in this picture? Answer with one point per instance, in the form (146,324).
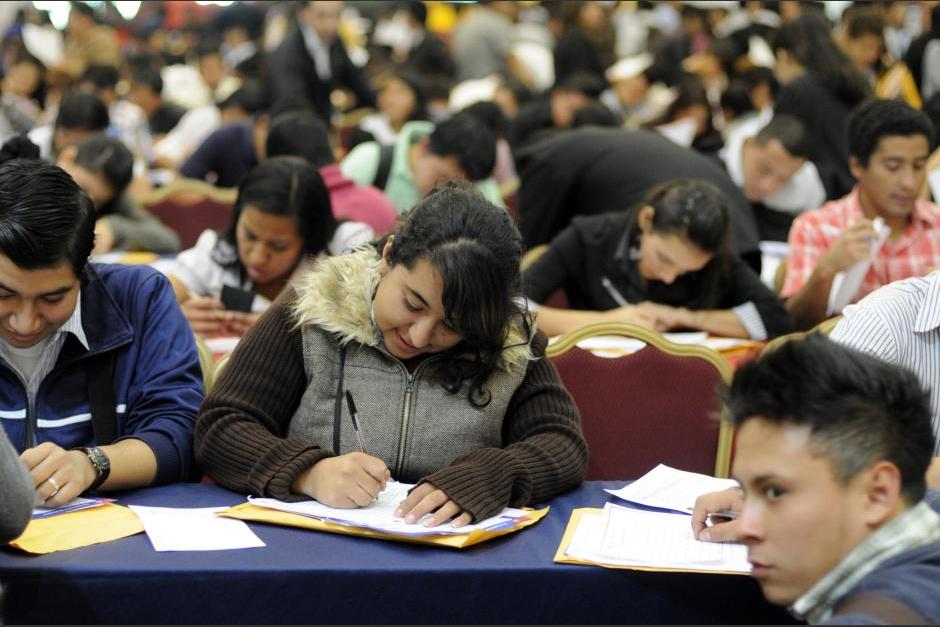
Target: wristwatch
(100,462)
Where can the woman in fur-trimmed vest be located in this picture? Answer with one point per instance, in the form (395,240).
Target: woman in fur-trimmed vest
(450,386)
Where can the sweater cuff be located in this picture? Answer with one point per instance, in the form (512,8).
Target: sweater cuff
(483,485)
(279,487)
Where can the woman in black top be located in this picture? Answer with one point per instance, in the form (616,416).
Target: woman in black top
(665,265)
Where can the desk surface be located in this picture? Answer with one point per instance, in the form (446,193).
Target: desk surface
(312,577)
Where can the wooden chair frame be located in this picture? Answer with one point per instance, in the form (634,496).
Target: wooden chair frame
(192,188)
(652,338)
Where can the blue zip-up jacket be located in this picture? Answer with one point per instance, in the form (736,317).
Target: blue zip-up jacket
(132,311)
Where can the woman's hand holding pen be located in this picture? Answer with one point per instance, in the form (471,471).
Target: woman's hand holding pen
(346,481)
(428,498)
(634,314)
(709,506)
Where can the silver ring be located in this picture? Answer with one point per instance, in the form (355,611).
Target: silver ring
(54,485)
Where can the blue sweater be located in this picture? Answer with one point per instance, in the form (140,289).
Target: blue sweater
(157,380)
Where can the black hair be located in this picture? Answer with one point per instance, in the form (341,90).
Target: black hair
(286,186)
(300,134)
(417,10)
(595,114)
(874,119)
(39,93)
(101,76)
(736,98)
(45,218)
(790,132)
(860,21)
(82,111)
(252,97)
(584,82)
(148,77)
(476,248)
(809,41)
(490,114)
(859,409)
(110,158)
(697,211)
(469,140)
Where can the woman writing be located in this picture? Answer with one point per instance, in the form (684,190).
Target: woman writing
(426,332)
(665,265)
(282,220)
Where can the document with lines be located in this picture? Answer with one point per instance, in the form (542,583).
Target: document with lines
(669,488)
(620,536)
(380,515)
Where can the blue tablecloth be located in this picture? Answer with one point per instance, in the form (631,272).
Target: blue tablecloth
(312,577)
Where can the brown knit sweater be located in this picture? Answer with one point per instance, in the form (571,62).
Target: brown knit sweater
(240,431)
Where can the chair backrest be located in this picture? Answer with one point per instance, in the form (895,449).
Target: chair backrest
(190,206)
(658,405)
(206,362)
(825,327)
(217,370)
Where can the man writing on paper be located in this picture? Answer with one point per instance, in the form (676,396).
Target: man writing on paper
(889,143)
(832,500)
(99,374)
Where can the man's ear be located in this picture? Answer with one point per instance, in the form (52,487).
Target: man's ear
(883,497)
(855,167)
(383,262)
(645,218)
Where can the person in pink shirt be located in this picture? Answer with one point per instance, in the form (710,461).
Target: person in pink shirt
(301,133)
(889,143)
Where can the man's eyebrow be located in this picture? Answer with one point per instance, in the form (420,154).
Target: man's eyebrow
(57,292)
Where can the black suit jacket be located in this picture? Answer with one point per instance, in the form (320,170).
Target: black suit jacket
(593,170)
(293,74)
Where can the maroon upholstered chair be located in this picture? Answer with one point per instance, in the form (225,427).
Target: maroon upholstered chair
(659,404)
(189,207)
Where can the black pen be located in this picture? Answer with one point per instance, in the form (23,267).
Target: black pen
(352,412)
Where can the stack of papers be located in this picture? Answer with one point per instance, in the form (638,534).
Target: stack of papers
(380,515)
(658,537)
(72,506)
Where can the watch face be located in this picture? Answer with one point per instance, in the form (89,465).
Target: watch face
(99,460)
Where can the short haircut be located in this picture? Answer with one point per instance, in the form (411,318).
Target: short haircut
(252,97)
(101,76)
(595,114)
(584,82)
(107,157)
(81,111)
(790,132)
(874,119)
(300,134)
(860,410)
(468,140)
(417,10)
(862,21)
(45,217)
(148,77)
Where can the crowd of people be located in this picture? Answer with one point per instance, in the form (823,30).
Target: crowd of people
(395,162)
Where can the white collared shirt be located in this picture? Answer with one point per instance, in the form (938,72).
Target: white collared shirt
(900,323)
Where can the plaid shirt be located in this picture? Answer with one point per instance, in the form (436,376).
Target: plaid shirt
(915,253)
(916,527)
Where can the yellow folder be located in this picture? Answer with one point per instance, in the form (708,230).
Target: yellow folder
(75,529)
(247,511)
(561,557)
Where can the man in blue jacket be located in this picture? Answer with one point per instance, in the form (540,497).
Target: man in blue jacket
(99,373)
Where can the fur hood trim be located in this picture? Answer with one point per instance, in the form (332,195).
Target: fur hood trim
(336,295)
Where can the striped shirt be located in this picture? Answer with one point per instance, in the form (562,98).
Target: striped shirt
(914,253)
(900,323)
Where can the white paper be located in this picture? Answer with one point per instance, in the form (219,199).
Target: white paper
(629,537)
(380,515)
(845,284)
(668,488)
(199,529)
(46,44)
